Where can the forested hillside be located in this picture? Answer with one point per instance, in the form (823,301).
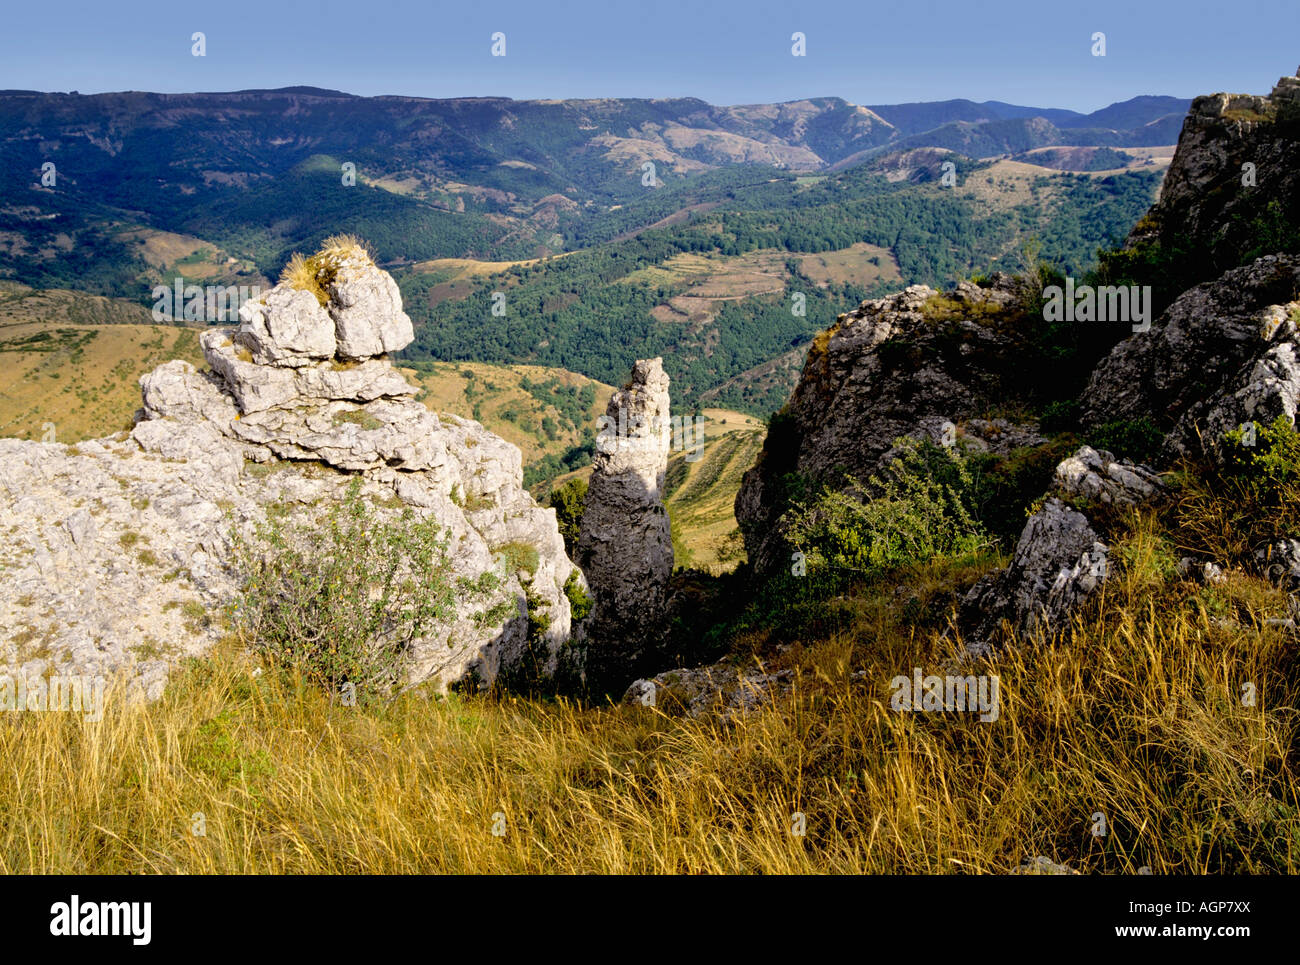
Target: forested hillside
(597,310)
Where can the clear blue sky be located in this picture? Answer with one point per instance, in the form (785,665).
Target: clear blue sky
(726,52)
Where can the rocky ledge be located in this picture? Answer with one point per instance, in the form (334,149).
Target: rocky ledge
(118,551)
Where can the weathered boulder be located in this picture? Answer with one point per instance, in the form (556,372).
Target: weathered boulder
(722,689)
(918,363)
(178,391)
(1202,571)
(1059,561)
(1042,865)
(122,553)
(1223,353)
(1263,390)
(286,326)
(1094,475)
(1279,562)
(624,544)
(367,310)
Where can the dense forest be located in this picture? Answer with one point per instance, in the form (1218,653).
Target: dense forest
(591,313)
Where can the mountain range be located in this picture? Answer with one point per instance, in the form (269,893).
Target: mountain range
(687,229)
(521,175)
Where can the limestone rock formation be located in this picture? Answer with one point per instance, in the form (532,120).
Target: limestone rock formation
(1060,559)
(1238,154)
(1094,475)
(918,363)
(367,310)
(624,545)
(1223,353)
(119,556)
(286,326)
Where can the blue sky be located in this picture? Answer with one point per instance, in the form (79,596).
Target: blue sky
(724,52)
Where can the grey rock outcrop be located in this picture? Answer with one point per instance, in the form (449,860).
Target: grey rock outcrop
(919,363)
(286,326)
(1222,354)
(1279,562)
(367,310)
(121,555)
(624,544)
(1263,390)
(1202,571)
(1042,865)
(1210,201)
(1098,475)
(1060,559)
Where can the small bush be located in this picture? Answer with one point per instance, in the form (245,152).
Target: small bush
(568,501)
(519,555)
(580,602)
(343,600)
(1272,464)
(1135,439)
(1060,416)
(907,514)
(1255,497)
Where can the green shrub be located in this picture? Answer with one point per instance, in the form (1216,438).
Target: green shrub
(342,599)
(519,555)
(1060,416)
(1271,467)
(580,602)
(1254,497)
(912,512)
(1135,439)
(1004,487)
(568,501)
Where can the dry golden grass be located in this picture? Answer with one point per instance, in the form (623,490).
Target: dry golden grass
(316,272)
(82,379)
(702,491)
(1135,715)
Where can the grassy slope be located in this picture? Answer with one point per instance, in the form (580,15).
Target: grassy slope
(61,363)
(495,394)
(1135,716)
(701,494)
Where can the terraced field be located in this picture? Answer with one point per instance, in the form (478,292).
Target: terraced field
(701,495)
